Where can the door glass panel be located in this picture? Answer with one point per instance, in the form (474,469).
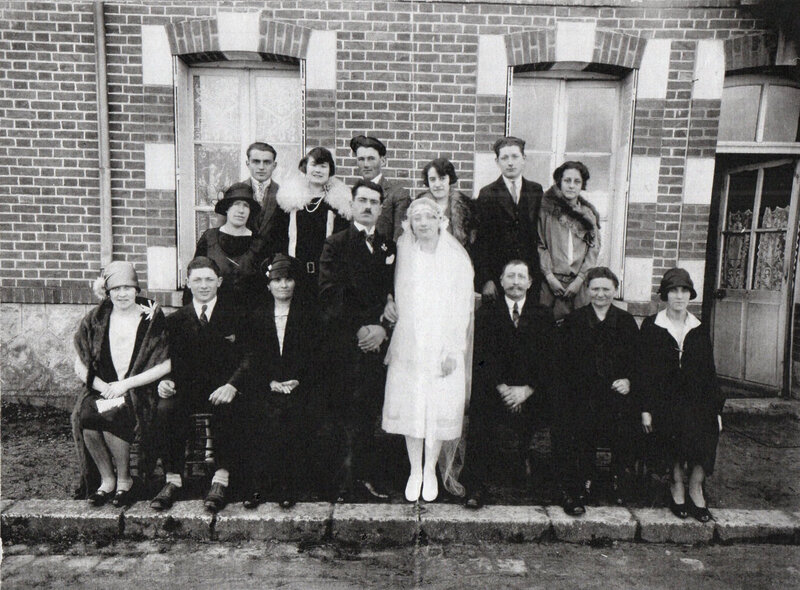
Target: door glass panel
(216,108)
(741,197)
(277,120)
(599,170)
(534,112)
(775,195)
(783,110)
(734,261)
(769,261)
(739,113)
(590,124)
(207,219)
(539,168)
(216,168)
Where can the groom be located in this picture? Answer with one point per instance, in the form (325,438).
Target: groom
(355,279)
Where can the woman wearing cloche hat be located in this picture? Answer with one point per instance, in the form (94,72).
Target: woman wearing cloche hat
(681,401)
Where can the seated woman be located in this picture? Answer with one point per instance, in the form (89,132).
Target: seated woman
(230,247)
(681,400)
(569,239)
(595,407)
(122,352)
(283,348)
(439,176)
(318,205)
(430,353)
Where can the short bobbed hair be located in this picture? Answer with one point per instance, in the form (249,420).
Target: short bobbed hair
(442,166)
(558,173)
(320,155)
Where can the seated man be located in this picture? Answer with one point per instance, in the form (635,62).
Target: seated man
(208,370)
(510,372)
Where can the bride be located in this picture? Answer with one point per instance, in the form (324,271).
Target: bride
(429,357)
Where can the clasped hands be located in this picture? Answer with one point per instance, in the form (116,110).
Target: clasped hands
(115,389)
(558,289)
(514,395)
(370,337)
(285,387)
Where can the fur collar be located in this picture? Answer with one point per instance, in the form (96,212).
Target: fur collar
(554,202)
(294,194)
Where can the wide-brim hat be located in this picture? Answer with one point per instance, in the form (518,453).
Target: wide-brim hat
(281,266)
(676,277)
(241,191)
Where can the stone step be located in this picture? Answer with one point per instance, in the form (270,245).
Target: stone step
(387,524)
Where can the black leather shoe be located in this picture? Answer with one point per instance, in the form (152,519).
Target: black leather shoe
(573,506)
(123,498)
(252,502)
(678,510)
(99,498)
(166,497)
(699,513)
(474,500)
(215,499)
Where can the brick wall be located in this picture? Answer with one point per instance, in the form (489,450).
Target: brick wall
(405,71)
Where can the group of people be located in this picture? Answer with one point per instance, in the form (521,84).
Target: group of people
(413,312)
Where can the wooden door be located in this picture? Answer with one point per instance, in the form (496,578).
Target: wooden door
(751,319)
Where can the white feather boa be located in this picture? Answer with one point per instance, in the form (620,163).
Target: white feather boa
(295,193)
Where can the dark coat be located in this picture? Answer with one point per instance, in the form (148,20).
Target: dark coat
(271,234)
(393,209)
(681,393)
(514,356)
(595,354)
(506,231)
(152,351)
(204,359)
(300,346)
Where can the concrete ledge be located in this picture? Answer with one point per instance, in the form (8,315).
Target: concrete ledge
(62,520)
(391,524)
(302,522)
(657,525)
(754,525)
(452,522)
(185,520)
(600,523)
(766,406)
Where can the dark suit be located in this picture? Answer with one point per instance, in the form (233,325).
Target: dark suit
(587,412)
(271,232)
(393,209)
(506,232)
(203,359)
(513,356)
(353,288)
(279,433)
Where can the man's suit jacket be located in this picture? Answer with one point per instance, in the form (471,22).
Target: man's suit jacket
(512,355)
(393,209)
(506,231)
(271,229)
(354,284)
(298,358)
(205,358)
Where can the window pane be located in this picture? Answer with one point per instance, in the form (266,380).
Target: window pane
(769,261)
(739,113)
(205,220)
(775,196)
(216,108)
(734,261)
(741,196)
(590,118)
(538,167)
(533,112)
(216,168)
(599,170)
(783,110)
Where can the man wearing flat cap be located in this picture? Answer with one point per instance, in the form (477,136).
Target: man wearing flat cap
(355,281)
(209,374)
(370,155)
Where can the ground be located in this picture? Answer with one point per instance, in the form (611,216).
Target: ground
(758,462)
(553,566)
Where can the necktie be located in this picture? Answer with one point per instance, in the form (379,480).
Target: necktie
(370,239)
(203,316)
(514,191)
(515,315)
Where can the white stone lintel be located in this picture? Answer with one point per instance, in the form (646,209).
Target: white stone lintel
(238,31)
(575,40)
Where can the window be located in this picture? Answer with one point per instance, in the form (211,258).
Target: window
(579,116)
(222,110)
(759,109)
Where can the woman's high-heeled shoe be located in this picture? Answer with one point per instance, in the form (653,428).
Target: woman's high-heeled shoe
(100,497)
(699,513)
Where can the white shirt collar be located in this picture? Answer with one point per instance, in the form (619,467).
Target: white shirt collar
(198,307)
(510,303)
(363,228)
(257,184)
(518,182)
(676,331)
(378,178)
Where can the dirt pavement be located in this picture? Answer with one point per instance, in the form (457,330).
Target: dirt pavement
(331,567)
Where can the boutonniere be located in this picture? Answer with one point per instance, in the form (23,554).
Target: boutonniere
(231,338)
(390,259)
(383,247)
(148,310)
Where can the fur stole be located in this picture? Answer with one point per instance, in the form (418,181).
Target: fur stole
(461,218)
(554,203)
(295,193)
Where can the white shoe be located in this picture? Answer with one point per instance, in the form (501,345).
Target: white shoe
(430,487)
(413,487)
